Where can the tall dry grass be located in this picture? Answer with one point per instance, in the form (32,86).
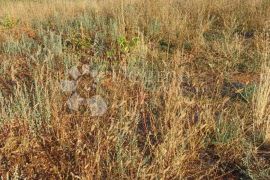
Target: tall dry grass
(186,82)
(263,94)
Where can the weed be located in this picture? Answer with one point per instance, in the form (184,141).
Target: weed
(8,22)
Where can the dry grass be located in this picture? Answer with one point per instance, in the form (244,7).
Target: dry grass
(186,83)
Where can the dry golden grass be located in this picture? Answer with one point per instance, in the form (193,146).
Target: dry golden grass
(186,84)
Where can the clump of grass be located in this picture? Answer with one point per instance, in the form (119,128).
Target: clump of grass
(261,100)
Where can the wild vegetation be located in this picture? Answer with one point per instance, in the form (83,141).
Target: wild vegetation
(187,85)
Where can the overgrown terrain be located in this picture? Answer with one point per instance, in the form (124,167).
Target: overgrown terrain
(187,85)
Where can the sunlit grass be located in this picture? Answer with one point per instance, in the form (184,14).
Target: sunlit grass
(186,84)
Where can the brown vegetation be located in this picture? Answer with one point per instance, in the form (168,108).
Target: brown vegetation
(186,84)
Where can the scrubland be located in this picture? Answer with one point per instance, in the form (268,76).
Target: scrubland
(187,85)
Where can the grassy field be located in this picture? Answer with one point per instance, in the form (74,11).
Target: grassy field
(186,86)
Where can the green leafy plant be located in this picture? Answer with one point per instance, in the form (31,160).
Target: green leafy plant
(126,45)
(8,22)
